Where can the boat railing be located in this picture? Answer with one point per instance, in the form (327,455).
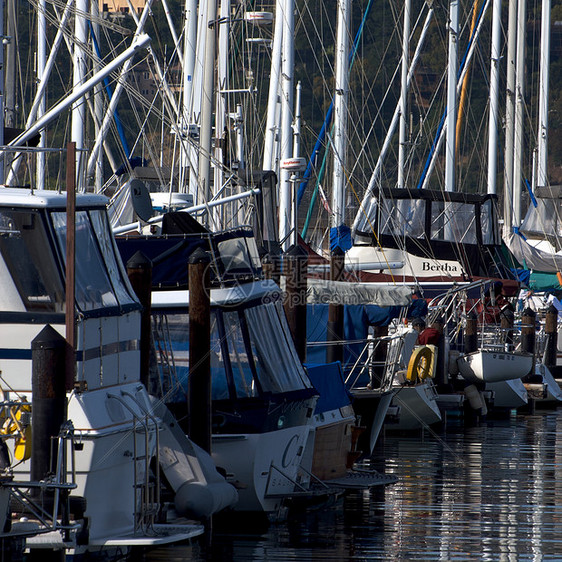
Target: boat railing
(29,495)
(380,358)
(147,509)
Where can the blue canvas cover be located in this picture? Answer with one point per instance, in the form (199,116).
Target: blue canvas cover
(327,379)
(357,319)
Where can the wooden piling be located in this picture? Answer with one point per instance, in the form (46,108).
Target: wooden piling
(139,271)
(267,266)
(335,335)
(507,318)
(528,331)
(199,386)
(551,333)
(294,268)
(48,403)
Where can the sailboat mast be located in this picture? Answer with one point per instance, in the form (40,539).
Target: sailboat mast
(272,122)
(494,97)
(2,91)
(41,69)
(287,78)
(221,148)
(542,155)
(340,114)
(452,95)
(404,94)
(519,114)
(78,77)
(189,49)
(204,175)
(509,116)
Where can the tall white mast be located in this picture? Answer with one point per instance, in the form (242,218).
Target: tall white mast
(509,116)
(205,135)
(519,114)
(78,76)
(2,90)
(98,102)
(221,105)
(404,94)
(273,106)
(340,113)
(542,156)
(189,49)
(452,96)
(41,63)
(494,97)
(287,68)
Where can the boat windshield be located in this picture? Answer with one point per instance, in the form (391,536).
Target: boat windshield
(277,363)
(99,279)
(30,278)
(170,334)
(251,351)
(453,222)
(403,217)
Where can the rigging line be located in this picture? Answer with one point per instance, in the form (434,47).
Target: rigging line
(109,94)
(462,69)
(462,102)
(330,109)
(357,197)
(328,118)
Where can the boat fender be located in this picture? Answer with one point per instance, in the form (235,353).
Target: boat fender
(422,363)
(203,499)
(474,397)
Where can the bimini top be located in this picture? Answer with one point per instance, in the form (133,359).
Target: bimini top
(21,197)
(258,291)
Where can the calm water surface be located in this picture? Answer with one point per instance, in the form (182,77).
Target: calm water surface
(491,492)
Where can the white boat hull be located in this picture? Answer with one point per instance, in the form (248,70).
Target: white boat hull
(494,366)
(508,394)
(262,466)
(418,407)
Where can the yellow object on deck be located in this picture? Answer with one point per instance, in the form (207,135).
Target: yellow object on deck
(422,363)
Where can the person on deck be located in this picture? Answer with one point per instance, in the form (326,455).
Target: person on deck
(431,335)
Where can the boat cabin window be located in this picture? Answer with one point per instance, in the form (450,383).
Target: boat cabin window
(171,344)
(277,363)
(241,362)
(403,217)
(29,259)
(453,222)
(251,352)
(488,223)
(239,255)
(99,278)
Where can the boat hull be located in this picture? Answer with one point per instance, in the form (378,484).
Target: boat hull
(494,366)
(508,394)
(418,407)
(262,466)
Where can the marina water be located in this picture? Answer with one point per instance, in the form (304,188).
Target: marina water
(488,492)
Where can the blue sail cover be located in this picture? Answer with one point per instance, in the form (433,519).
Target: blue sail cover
(340,237)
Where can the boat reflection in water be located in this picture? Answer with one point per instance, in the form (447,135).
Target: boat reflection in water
(487,492)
